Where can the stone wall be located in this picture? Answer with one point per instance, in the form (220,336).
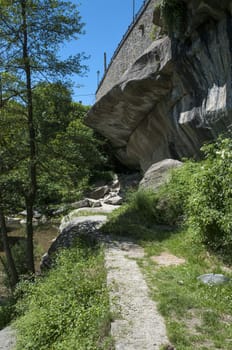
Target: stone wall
(135,41)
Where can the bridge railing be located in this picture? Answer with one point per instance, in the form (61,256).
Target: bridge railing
(125,36)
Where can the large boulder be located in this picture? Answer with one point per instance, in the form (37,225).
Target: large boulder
(158,174)
(85,228)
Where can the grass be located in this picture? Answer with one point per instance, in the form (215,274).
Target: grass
(68,308)
(197,316)
(42,238)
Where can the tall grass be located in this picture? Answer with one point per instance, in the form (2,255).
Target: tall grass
(69,308)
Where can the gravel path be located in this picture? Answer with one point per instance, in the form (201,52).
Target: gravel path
(138,325)
(7,339)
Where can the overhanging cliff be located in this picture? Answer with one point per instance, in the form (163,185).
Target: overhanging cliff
(176,94)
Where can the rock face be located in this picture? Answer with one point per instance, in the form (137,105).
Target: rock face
(176,95)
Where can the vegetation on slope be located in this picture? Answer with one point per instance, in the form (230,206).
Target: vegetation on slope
(190,217)
(68,308)
(199,194)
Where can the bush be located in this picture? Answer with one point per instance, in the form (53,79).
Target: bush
(198,194)
(174,13)
(7,312)
(209,205)
(173,196)
(202,193)
(67,309)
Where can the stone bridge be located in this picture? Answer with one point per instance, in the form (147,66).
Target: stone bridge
(164,97)
(134,42)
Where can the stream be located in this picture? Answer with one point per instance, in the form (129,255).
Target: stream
(43,236)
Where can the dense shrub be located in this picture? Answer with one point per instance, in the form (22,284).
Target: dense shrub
(7,312)
(174,13)
(202,193)
(209,205)
(67,309)
(198,194)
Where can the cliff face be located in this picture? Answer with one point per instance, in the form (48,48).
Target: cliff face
(176,95)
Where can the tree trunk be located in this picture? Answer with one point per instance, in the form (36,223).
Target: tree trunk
(14,278)
(31,195)
(30,234)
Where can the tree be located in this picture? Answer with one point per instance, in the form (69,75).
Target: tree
(12,147)
(31,33)
(52,110)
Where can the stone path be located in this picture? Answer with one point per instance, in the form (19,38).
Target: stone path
(137,324)
(7,339)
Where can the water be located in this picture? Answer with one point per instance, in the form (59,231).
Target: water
(43,236)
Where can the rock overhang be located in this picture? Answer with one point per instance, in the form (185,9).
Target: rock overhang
(175,96)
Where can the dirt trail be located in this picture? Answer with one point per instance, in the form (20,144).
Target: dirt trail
(137,324)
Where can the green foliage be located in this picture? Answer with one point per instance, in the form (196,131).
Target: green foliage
(69,307)
(69,155)
(173,196)
(52,110)
(198,193)
(196,314)
(33,112)
(47,25)
(7,312)
(13,153)
(174,13)
(18,252)
(138,217)
(209,205)
(155,32)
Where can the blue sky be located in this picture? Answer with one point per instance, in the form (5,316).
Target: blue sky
(105,23)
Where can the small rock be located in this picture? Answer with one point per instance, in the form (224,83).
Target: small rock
(94,203)
(213,279)
(115,200)
(59,211)
(80,204)
(23,213)
(115,184)
(13,220)
(43,219)
(24,222)
(99,192)
(37,215)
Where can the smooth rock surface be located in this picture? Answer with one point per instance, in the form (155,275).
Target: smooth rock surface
(213,279)
(76,214)
(7,339)
(158,173)
(85,227)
